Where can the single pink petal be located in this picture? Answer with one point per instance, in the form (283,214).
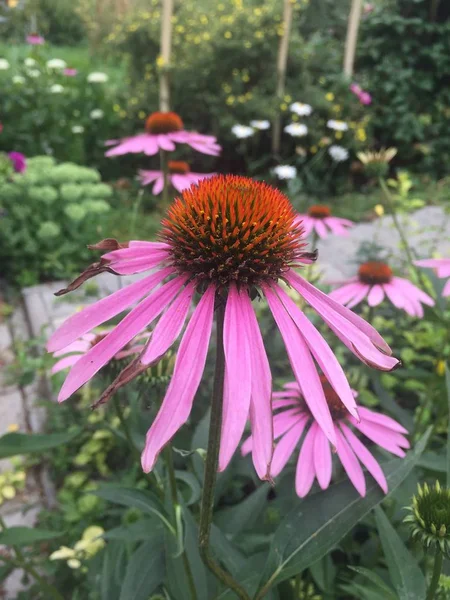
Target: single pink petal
(143,142)
(302,363)
(307,224)
(286,446)
(380,436)
(283,403)
(320,228)
(165,142)
(441,264)
(180,182)
(147,177)
(322,459)
(394,295)
(444,269)
(247,446)
(187,374)
(136,251)
(380,419)
(238,376)
(261,389)
(151,245)
(365,457)
(283,421)
(212,149)
(305,472)
(446,290)
(360,295)
(159,185)
(138,264)
(347,292)
(104,309)
(350,463)
(140,317)
(376,295)
(79,346)
(169,326)
(65,363)
(322,353)
(412,291)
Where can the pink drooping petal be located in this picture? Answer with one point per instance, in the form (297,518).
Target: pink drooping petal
(159,185)
(212,149)
(322,353)
(180,182)
(136,251)
(261,389)
(79,346)
(283,403)
(410,290)
(187,374)
(446,290)
(338,226)
(151,245)
(306,223)
(139,318)
(365,457)
(66,362)
(104,309)
(382,436)
(380,419)
(346,293)
(148,177)
(143,142)
(238,376)
(165,142)
(284,421)
(394,295)
(442,265)
(360,295)
(305,472)
(320,228)
(302,363)
(139,264)
(376,295)
(286,446)
(359,337)
(247,446)
(169,326)
(322,459)
(350,463)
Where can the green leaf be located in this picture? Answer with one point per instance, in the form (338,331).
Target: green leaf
(225,551)
(112,571)
(12,444)
(235,519)
(388,593)
(145,501)
(192,482)
(317,525)
(447,381)
(389,404)
(145,570)
(139,531)
(405,573)
(25,536)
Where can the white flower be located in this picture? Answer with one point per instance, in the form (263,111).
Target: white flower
(242,131)
(77,129)
(34,73)
(18,79)
(29,62)
(338,153)
(97,113)
(97,77)
(4,64)
(56,63)
(296,129)
(337,125)
(57,88)
(261,125)
(285,172)
(300,109)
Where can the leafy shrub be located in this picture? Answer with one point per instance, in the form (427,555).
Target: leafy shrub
(49,214)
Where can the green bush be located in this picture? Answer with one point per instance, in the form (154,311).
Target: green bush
(49,214)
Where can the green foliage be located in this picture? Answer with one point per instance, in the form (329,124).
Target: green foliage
(50,214)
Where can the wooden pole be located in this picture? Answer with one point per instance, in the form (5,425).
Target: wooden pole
(281,71)
(166,45)
(352,36)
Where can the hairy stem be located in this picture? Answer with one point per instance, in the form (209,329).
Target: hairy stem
(437,568)
(211,463)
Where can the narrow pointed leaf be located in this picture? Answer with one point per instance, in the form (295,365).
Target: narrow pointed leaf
(25,536)
(145,570)
(12,444)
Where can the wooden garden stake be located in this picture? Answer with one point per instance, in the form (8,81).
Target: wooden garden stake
(166,44)
(352,36)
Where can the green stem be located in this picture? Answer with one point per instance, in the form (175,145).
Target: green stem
(174,497)
(165,170)
(211,464)
(48,590)
(437,568)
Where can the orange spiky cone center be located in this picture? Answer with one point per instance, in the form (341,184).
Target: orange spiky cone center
(163,122)
(178,167)
(374,272)
(319,211)
(231,228)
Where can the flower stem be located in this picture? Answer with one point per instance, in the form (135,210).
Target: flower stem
(211,463)
(437,568)
(174,497)
(165,170)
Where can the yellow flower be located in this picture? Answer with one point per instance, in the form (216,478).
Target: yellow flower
(338,135)
(283,106)
(361,134)
(379,210)
(287,98)
(63,553)
(226,88)
(247,44)
(313,149)
(12,427)
(259,35)
(203,19)
(74,563)
(227,35)
(160,62)
(245,78)
(8,492)
(230,100)
(329,96)
(179,29)
(440,368)
(337,108)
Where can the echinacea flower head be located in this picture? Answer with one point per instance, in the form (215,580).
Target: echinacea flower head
(296,428)
(320,220)
(34,39)
(337,125)
(442,267)
(375,281)
(260,125)
(300,109)
(179,175)
(376,163)
(56,63)
(338,153)
(222,242)
(242,131)
(18,160)
(296,129)
(163,130)
(285,172)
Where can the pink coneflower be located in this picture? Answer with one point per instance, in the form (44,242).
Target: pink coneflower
(18,160)
(163,131)
(223,242)
(180,176)
(375,280)
(315,458)
(72,353)
(442,266)
(365,98)
(70,72)
(35,39)
(320,220)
